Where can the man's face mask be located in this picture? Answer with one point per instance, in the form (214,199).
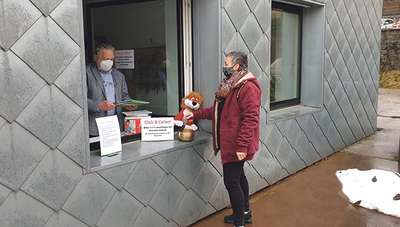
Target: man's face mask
(228,72)
(106,65)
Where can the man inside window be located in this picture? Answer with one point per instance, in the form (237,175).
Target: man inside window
(105,86)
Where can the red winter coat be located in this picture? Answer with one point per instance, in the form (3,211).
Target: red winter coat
(239,121)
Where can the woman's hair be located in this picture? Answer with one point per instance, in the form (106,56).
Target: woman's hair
(240,58)
(103,46)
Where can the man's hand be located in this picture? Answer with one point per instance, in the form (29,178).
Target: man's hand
(241,155)
(131,107)
(106,105)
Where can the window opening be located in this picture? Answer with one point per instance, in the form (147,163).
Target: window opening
(153,30)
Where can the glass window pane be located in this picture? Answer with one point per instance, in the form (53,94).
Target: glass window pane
(150,29)
(285,56)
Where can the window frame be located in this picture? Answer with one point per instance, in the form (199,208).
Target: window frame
(312,66)
(299,11)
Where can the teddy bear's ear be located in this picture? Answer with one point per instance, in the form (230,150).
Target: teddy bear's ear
(198,96)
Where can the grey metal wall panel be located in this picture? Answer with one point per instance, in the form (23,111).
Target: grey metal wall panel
(63,219)
(73,144)
(47,40)
(144,190)
(315,135)
(18,90)
(50,116)
(113,216)
(16,18)
(256,181)
(207,174)
(4,192)
(46,82)
(65,15)
(89,199)
(168,197)
(219,198)
(262,161)
(53,180)
(204,150)
(187,167)
(149,217)
(21,209)
(69,82)
(119,176)
(46,6)
(207,209)
(21,152)
(189,209)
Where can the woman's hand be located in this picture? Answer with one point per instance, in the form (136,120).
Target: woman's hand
(189,116)
(241,155)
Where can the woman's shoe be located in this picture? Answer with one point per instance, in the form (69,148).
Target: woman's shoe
(248,219)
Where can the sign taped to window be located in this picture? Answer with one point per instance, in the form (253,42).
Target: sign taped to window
(124,59)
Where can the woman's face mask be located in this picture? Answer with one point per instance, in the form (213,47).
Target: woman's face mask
(228,72)
(106,65)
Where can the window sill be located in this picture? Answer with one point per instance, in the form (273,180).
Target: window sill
(290,113)
(138,150)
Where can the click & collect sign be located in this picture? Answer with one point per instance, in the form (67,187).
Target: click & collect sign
(157,129)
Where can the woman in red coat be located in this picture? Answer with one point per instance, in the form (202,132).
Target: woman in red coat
(235,118)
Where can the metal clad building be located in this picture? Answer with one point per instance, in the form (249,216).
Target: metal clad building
(48,176)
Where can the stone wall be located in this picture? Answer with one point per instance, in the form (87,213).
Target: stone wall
(390,50)
(391,7)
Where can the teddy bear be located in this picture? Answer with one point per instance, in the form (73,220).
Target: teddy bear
(190,103)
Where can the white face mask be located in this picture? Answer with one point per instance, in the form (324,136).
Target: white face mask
(106,65)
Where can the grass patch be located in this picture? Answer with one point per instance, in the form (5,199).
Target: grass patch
(390,79)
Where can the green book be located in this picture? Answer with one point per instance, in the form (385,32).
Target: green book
(131,102)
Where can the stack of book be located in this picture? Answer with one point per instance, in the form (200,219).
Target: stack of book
(133,121)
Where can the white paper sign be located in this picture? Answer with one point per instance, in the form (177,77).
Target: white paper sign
(109,133)
(124,59)
(157,129)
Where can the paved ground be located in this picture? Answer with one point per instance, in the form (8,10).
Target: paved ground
(313,197)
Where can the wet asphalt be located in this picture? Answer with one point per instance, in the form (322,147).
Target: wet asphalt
(314,197)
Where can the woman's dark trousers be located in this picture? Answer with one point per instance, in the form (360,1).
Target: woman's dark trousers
(238,189)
